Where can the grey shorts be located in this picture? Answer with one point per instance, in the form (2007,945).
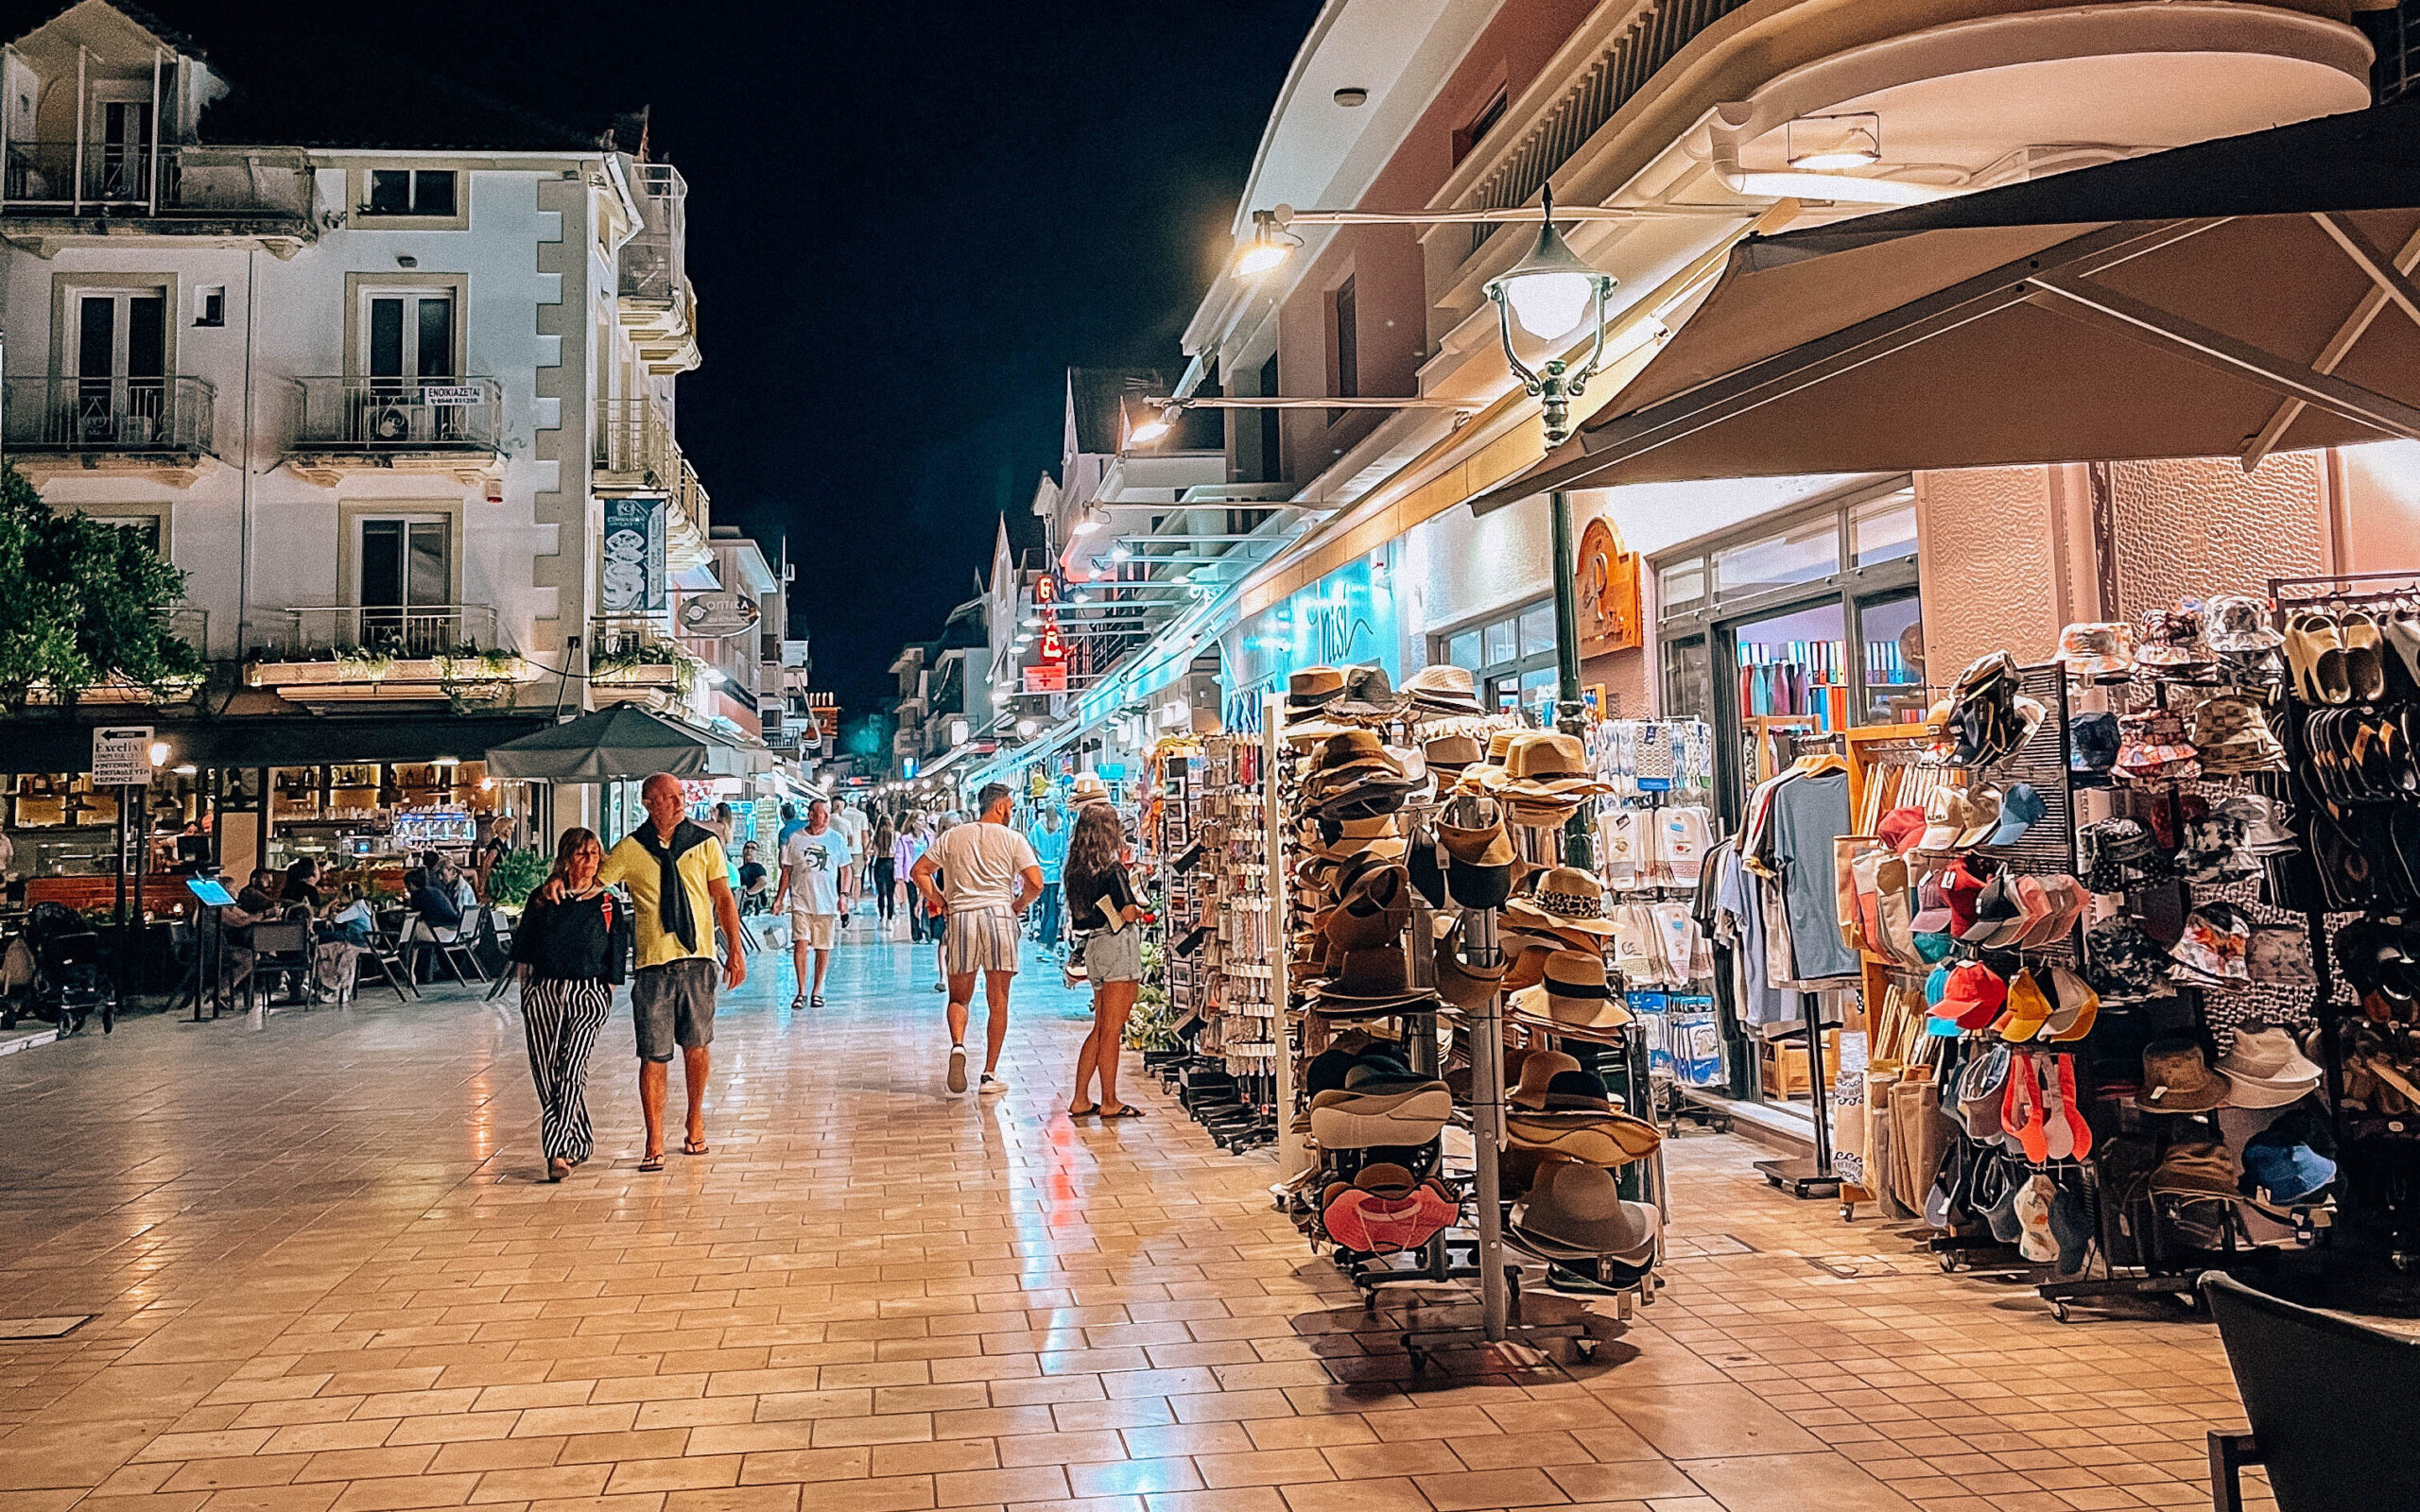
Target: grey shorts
(1114,955)
(673,1005)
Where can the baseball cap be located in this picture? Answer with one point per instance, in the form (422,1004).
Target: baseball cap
(1973,995)
(1982,815)
(1945,819)
(1961,889)
(1902,828)
(2020,808)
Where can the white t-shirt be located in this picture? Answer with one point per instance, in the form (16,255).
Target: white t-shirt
(982,866)
(853,821)
(813,862)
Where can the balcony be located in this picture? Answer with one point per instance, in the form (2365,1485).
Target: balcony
(637,652)
(634,452)
(160,428)
(658,306)
(62,191)
(452,651)
(453,427)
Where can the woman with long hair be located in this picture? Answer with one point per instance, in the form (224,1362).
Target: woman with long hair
(572,951)
(1105,910)
(880,846)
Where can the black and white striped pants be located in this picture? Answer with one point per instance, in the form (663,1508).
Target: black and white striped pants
(563,1015)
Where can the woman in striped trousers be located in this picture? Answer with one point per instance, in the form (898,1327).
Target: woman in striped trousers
(572,955)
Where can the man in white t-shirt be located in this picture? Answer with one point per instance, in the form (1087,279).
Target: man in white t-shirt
(989,874)
(851,820)
(818,876)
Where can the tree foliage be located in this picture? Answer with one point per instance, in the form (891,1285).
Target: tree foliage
(82,603)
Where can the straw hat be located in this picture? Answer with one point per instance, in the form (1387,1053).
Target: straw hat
(1567,898)
(1573,995)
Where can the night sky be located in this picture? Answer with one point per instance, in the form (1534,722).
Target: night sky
(907,218)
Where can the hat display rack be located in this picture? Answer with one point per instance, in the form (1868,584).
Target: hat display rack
(1400,823)
(2351,701)
(1220,932)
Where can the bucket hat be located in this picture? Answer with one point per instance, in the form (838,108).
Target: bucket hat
(2171,638)
(2095,647)
(2280,956)
(1579,1209)
(2265,1069)
(2237,622)
(1538,1072)
(2215,943)
(1367,694)
(1573,995)
(2177,1079)
(1566,899)
(2231,731)
(2092,748)
(2021,807)
(2195,1166)
(1983,1085)
(1442,687)
(2287,1169)
(2121,962)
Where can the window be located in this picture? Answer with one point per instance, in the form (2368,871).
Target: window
(1512,656)
(1484,122)
(406,583)
(1344,328)
(405,336)
(1800,554)
(410,192)
(121,358)
(1884,528)
(209,304)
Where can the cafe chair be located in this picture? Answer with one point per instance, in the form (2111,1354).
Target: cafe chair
(283,945)
(386,955)
(2329,1401)
(456,948)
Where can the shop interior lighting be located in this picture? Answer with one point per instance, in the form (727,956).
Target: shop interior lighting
(1026,728)
(159,753)
(1827,143)
(186,769)
(1086,524)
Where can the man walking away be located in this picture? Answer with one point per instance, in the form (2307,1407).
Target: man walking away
(818,876)
(1049,841)
(991,876)
(680,881)
(852,821)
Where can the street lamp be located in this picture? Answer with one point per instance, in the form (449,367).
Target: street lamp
(1550,293)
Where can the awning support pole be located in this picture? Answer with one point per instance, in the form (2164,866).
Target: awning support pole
(1571,715)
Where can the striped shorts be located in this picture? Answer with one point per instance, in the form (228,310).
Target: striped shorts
(981,939)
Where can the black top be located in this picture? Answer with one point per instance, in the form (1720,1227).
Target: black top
(751,875)
(1090,899)
(299,892)
(435,906)
(579,938)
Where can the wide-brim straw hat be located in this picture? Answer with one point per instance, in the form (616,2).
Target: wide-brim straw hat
(1352,1119)
(1578,1207)
(1596,1138)
(1566,899)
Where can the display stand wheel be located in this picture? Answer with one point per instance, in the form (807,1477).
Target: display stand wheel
(1802,1179)
(1949,1262)
(2059,1311)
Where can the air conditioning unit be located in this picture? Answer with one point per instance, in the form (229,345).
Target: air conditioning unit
(390,423)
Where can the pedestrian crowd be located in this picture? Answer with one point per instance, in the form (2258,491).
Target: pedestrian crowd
(674,933)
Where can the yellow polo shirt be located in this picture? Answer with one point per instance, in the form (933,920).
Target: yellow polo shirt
(700,866)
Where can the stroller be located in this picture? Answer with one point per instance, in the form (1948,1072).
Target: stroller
(54,971)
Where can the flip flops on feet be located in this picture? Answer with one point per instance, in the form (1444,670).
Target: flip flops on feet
(1120,1110)
(652,1163)
(695,1147)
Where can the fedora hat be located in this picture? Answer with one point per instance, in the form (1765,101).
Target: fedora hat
(1378,838)
(1372,912)
(1526,965)
(1314,688)
(1549,765)
(2177,1079)
(1452,753)
(1572,995)
(1369,982)
(1567,898)
(1353,750)
(1538,1070)
(1465,986)
(1088,788)
(1576,1092)
(1442,685)
(1367,694)
(1579,1209)
(2264,1069)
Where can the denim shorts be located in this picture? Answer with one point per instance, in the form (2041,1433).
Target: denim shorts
(1114,955)
(673,1005)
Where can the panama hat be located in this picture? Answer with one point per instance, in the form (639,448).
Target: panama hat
(1088,787)
(1567,898)
(1313,688)
(1450,754)
(1578,1211)
(1550,766)
(1367,694)
(1444,687)
(1573,995)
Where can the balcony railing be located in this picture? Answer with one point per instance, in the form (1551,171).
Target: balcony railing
(54,178)
(84,415)
(374,415)
(405,633)
(634,446)
(654,262)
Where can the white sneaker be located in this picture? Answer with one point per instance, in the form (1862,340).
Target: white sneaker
(958,1068)
(991,1084)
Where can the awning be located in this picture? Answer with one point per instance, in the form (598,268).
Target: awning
(2236,298)
(42,743)
(612,744)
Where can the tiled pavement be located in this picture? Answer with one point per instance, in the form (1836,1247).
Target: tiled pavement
(326,1279)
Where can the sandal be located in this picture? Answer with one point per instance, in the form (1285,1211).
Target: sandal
(695,1147)
(1124,1110)
(2364,658)
(1085,1112)
(652,1163)
(2315,651)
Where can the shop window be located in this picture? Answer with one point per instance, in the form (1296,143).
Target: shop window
(1800,554)
(1463,650)
(1680,585)
(1893,634)
(1537,631)
(1482,123)
(1345,343)
(1884,528)
(1503,642)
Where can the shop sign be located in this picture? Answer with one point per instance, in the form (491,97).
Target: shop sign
(1606,576)
(636,580)
(1047,677)
(122,756)
(449,396)
(716,615)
